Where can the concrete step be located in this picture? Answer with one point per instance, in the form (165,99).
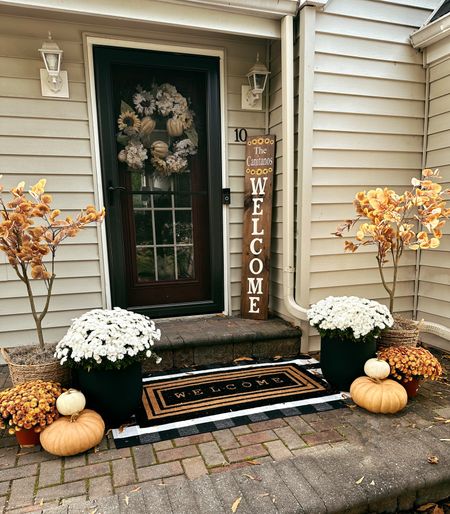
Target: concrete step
(387,474)
(198,341)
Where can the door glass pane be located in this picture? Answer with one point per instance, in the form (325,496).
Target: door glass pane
(164,227)
(145,263)
(185,262)
(183,227)
(166,264)
(143,220)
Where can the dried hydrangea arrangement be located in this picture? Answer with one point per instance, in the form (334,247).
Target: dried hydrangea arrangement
(349,318)
(30,405)
(409,362)
(108,339)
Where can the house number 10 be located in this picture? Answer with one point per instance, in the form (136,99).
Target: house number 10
(240,135)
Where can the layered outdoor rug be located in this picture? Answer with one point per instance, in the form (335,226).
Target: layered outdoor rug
(177,404)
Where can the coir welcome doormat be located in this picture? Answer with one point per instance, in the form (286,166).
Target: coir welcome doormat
(203,400)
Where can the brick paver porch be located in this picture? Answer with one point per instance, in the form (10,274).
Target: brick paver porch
(32,480)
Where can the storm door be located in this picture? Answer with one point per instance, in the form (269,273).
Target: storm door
(159,119)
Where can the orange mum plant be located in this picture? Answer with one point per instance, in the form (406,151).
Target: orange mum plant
(30,233)
(395,222)
(30,405)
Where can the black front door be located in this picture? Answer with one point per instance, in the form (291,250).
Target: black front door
(159,118)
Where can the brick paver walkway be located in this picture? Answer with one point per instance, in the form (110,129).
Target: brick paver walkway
(31,479)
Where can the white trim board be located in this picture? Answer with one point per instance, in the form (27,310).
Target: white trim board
(161,13)
(91,40)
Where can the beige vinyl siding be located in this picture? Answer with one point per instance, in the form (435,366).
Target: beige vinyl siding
(50,137)
(369,100)
(434,278)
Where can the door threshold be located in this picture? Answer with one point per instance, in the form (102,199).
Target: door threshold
(190,317)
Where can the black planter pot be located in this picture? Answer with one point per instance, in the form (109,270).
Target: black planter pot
(114,394)
(342,360)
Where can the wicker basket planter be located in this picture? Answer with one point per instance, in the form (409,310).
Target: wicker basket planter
(49,371)
(404,333)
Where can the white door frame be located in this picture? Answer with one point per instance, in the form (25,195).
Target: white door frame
(89,41)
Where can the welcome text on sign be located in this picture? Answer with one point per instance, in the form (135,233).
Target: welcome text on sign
(258,186)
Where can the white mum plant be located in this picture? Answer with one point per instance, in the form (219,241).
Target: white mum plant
(108,339)
(349,317)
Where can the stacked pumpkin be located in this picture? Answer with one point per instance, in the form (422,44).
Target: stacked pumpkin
(78,429)
(375,392)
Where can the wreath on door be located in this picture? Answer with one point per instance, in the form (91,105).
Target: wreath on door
(164,104)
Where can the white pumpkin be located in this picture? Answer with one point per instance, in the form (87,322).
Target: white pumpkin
(377,368)
(71,402)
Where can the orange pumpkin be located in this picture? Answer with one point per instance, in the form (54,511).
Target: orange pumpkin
(74,434)
(378,396)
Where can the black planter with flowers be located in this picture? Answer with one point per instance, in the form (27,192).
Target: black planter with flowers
(115,394)
(349,327)
(342,360)
(105,348)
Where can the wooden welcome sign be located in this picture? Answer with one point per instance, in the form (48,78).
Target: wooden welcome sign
(258,187)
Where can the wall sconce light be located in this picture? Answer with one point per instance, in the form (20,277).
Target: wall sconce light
(257,79)
(54,82)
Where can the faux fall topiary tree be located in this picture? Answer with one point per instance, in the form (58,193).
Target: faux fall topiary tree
(30,234)
(393,223)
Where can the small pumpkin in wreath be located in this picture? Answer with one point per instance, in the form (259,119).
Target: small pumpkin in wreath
(160,149)
(70,435)
(174,127)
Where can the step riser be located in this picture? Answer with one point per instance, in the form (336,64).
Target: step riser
(224,353)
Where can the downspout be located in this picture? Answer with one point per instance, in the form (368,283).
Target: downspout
(428,327)
(287,83)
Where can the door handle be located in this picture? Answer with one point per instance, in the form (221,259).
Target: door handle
(111,190)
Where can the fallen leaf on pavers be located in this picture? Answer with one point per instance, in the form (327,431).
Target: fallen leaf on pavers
(93,511)
(41,502)
(96,449)
(444,439)
(277,357)
(251,477)
(126,500)
(360,480)
(438,510)
(425,507)
(433,459)
(135,490)
(263,494)
(243,359)
(439,418)
(236,503)
(253,462)
(372,483)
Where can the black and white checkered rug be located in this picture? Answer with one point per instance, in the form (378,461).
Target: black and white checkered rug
(188,402)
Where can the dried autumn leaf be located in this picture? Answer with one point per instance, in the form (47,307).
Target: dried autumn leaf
(235,505)
(135,490)
(251,477)
(243,359)
(425,507)
(433,459)
(254,463)
(359,481)
(126,500)
(438,510)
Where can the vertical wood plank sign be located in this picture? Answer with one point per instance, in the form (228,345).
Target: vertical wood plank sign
(258,187)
